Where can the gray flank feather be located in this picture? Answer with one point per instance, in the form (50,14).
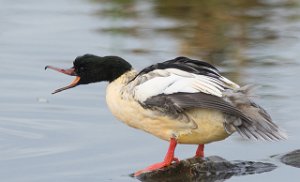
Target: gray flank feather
(260,124)
(247,118)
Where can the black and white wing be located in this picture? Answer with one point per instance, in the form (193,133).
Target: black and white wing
(177,85)
(180,75)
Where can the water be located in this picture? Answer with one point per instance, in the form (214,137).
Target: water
(71,136)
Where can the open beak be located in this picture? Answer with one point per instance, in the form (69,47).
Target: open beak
(71,72)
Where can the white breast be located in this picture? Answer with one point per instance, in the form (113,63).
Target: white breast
(123,106)
(126,109)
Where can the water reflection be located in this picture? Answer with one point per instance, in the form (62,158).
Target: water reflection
(212,30)
(73,137)
(216,30)
(224,34)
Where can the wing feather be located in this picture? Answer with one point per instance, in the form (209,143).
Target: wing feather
(249,126)
(175,86)
(171,81)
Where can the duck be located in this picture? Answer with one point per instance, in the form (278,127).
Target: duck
(182,101)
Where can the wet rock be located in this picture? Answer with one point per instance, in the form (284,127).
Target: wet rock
(291,158)
(213,168)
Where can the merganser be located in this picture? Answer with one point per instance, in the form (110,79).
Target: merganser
(181,100)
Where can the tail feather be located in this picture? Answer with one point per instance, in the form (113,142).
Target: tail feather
(257,123)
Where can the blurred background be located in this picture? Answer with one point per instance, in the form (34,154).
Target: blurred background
(71,136)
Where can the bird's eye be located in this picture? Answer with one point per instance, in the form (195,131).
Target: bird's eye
(80,69)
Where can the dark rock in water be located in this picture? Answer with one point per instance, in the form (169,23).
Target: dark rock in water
(291,158)
(208,169)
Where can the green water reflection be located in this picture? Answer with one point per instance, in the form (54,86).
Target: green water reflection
(213,30)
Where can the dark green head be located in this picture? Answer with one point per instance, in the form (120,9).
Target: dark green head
(90,68)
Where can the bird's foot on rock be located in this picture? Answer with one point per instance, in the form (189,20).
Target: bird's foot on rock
(156,166)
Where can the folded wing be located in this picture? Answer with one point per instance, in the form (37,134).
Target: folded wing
(175,86)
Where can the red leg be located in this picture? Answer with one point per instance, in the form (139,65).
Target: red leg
(200,151)
(169,158)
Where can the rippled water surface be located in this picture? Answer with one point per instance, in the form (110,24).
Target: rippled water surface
(71,136)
